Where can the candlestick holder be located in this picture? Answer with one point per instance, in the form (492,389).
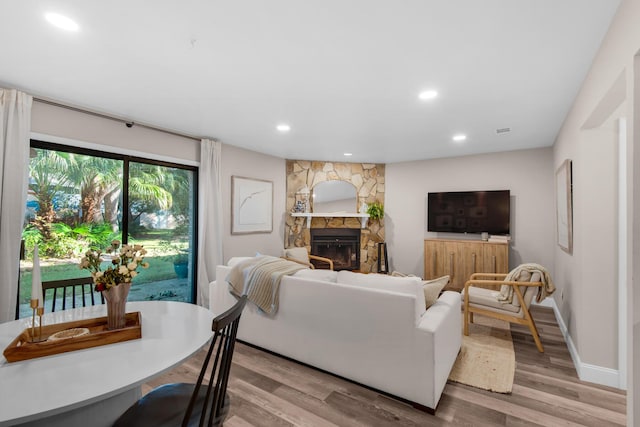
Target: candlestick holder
(40,311)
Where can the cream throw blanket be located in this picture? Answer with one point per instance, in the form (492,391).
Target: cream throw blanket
(260,278)
(547,288)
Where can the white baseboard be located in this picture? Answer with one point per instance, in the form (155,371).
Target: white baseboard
(586,372)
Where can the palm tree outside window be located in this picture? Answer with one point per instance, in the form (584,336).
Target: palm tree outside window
(80,199)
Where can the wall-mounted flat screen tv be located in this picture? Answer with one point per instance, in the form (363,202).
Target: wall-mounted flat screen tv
(469,212)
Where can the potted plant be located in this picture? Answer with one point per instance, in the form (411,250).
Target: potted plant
(180,264)
(178,255)
(375,210)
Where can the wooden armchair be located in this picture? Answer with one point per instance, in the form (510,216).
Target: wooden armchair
(302,256)
(481,300)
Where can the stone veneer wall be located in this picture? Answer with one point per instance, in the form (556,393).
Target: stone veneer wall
(369,182)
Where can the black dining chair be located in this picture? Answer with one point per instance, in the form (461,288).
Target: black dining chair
(193,404)
(80,290)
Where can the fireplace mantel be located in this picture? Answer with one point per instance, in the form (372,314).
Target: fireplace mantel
(363,216)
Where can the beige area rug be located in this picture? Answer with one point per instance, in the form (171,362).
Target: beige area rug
(487,359)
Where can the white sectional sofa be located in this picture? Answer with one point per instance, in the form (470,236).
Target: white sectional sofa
(372,329)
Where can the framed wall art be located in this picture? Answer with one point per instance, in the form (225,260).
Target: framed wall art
(251,205)
(564,206)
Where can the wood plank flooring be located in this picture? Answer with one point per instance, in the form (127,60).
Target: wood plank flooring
(267,390)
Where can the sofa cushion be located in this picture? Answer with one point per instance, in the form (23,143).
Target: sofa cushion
(299,254)
(405,285)
(322,275)
(432,289)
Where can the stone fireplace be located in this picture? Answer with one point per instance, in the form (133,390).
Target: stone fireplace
(341,245)
(367,178)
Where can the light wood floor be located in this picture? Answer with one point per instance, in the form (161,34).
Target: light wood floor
(267,390)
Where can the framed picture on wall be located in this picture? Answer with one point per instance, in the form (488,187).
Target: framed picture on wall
(564,206)
(251,205)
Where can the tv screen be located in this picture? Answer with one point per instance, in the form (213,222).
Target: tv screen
(469,212)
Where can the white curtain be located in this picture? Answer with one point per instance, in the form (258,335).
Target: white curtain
(15,127)
(209,217)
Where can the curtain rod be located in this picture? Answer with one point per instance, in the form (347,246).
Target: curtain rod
(128,123)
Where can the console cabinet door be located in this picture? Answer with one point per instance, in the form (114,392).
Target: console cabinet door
(434,255)
(440,258)
(460,259)
(472,261)
(453,263)
(496,258)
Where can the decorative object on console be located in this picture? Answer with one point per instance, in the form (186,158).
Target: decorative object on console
(251,205)
(499,239)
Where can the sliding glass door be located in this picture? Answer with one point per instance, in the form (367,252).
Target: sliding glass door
(82,199)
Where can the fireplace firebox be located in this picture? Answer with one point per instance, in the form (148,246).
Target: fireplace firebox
(341,245)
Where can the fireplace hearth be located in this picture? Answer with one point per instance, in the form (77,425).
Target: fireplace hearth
(341,245)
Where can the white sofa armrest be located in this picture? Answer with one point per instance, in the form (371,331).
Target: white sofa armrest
(442,325)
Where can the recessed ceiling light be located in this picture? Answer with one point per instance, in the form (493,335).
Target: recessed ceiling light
(61,21)
(428,94)
(283,127)
(348,154)
(460,137)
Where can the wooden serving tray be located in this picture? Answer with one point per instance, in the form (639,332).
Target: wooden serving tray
(22,348)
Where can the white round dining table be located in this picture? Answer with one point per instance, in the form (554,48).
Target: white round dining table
(94,386)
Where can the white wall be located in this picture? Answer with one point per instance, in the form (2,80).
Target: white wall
(240,162)
(586,276)
(528,174)
(101,133)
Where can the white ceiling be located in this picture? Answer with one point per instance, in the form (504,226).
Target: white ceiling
(345,75)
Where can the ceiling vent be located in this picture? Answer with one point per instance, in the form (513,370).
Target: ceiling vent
(503,130)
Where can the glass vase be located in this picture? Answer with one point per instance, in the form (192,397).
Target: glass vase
(116,298)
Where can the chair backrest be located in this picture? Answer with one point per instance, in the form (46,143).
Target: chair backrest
(80,291)
(225,328)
